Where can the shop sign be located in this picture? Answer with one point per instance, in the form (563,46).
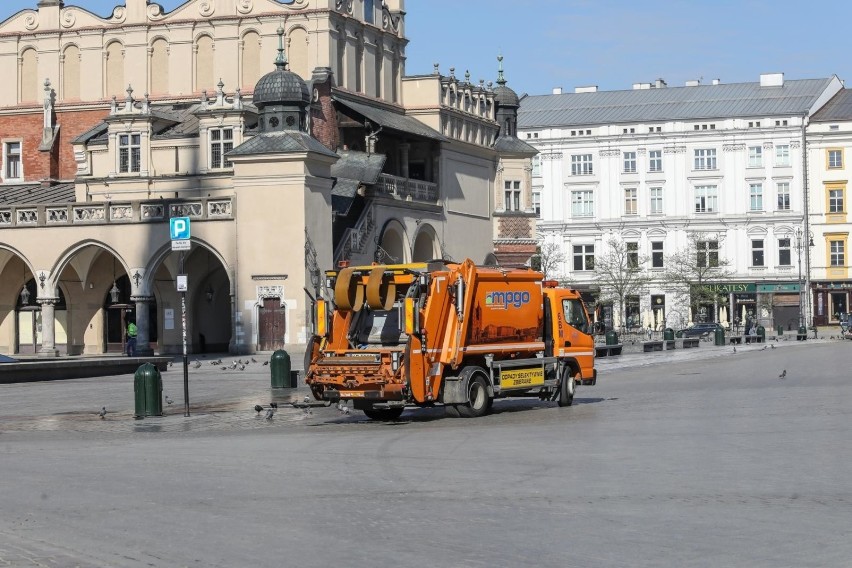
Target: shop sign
(730,287)
(777,288)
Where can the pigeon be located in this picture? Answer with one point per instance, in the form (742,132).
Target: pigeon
(253,360)
(783,374)
(258,408)
(764,348)
(265,363)
(772,346)
(269,413)
(345,410)
(308,412)
(735,348)
(274,405)
(196,365)
(170,363)
(242,367)
(233,365)
(168,400)
(307,399)
(224,368)
(102,413)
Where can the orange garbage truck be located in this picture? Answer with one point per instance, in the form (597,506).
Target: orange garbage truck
(451,334)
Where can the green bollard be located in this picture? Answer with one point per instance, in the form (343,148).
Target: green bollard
(148,389)
(279,368)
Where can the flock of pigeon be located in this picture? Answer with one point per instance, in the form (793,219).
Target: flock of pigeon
(236,365)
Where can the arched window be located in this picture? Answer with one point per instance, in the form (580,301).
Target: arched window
(159,67)
(297,53)
(115,70)
(71,73)
(29,76)
(251,60)
(204,79)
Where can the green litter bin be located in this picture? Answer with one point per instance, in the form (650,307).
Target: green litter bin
(611,338)
(148,391)
(279,367)
(803,334)
(779,330)
(761,333)
(668,334)
(719,336)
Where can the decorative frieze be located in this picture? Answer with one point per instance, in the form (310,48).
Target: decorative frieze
(219,209)
(153,211)
(609,153)
(551,156)
(733,147)
(89,214)
(57,214)
(26,216)
(267,292)
(121,212)
(193,209)
(6,217)
(675,150)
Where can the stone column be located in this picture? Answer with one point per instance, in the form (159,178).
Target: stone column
(143,334)
(48,327)
(403,159)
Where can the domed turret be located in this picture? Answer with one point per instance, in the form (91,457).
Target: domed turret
(281,96)
(503,95)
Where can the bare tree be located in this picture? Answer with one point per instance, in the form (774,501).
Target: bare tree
(690,270)
(619,273)
(547,258)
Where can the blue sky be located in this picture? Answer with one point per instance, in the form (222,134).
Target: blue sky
(610,43)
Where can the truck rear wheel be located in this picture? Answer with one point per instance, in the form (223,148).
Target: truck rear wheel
(477,396)
(385,414)
(566,388)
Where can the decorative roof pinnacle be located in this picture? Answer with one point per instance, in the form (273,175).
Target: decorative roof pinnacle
(281,60)
(501,80)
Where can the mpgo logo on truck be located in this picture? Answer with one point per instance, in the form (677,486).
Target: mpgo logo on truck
(505,300)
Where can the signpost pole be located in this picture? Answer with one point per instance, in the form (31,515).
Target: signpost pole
(179,233)
(183,335)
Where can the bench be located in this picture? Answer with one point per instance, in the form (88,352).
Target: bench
(652,346)
(691,342)
(753,339)
(735,339)
(608,350)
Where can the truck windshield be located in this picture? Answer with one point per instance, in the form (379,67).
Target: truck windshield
(575,315)
(378,327)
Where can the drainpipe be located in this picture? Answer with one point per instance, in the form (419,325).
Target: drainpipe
(806,236)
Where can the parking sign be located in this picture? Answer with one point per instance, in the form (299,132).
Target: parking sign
(179,228)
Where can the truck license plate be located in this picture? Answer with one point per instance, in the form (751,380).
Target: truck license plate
(514,378)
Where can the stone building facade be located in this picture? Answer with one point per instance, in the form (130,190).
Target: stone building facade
(111,126)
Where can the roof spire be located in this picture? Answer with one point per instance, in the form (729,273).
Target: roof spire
(281,60)
(500,79)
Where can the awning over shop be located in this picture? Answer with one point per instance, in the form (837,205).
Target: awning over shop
(389,119)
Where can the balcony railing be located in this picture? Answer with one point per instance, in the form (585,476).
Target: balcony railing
(407,189)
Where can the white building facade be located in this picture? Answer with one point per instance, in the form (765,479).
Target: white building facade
(655,164)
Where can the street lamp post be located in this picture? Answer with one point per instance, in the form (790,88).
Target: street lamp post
(802,292)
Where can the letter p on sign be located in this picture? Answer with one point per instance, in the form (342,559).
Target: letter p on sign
(179,228)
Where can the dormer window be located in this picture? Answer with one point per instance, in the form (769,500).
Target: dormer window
(221,142)
(129,153)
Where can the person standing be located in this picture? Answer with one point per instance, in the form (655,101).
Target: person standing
(132,331)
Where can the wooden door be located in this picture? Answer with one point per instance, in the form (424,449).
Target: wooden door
(272,325)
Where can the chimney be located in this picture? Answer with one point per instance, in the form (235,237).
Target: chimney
(659,84)
(589,89)
(693,83)
(717,81)
(641,86)
(772,79)
(557,90)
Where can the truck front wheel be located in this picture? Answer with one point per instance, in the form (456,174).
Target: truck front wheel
(566,388)
(477,396)
(385,414)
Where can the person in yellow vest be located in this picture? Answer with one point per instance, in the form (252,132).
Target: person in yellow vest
(131,339)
